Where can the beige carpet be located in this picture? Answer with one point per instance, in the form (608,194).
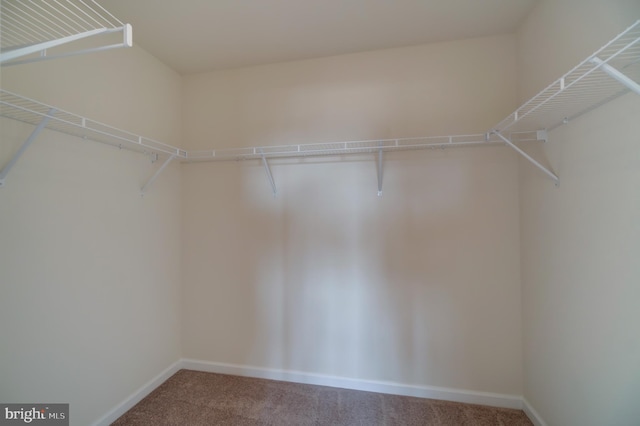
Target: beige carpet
(191,398)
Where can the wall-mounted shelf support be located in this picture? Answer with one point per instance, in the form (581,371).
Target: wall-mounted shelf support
(527,156)
(267,169)
(595,81)
(29,29)
(380,171)
(34,134)
(156,174)
(614,73)
(6,59)
(610,72)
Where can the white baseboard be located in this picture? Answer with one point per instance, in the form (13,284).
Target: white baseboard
(138,395)
(432,392)
(457,395)
(533,415)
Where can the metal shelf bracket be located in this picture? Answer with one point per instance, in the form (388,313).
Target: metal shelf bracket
(267,170)
(30,31)
(8,58)
(542,135)
(34,134)
(528,157)
(614,73)
(156,174)
(380,171)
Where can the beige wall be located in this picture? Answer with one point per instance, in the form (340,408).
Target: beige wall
(436,89)
(89,271)
(420,286)
(580,241)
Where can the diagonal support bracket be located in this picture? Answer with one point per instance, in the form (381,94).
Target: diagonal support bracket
(380,171)
(156,174)
(8,57)
(7,168)
(267,169)
(614,73)
(528,157)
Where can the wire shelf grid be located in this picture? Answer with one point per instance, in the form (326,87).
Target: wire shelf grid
(29,111)
(30,28)
(355,147)
(583,88)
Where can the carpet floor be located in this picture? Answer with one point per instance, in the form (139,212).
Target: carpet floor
(193,398)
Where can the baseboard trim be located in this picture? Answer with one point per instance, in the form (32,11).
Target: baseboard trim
(432,392)
(138,395)
(449,394)
(533,415)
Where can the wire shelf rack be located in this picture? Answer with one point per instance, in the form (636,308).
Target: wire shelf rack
(587,86)
(33,112)
(356,147)
(610,72)
(30,29)
(29,111)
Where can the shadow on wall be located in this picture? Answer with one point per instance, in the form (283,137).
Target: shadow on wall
(338,281)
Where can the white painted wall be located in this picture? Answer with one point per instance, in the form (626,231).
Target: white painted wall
(89,271)
(581,241)
(420,286)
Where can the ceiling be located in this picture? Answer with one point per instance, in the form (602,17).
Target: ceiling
(194,36)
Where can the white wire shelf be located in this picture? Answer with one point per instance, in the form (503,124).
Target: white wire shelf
(357,147)
(610,72)
(26,110)
(34,30)
(33,112)
(584,88)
